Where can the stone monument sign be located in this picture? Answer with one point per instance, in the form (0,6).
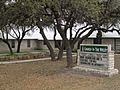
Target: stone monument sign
(96,58)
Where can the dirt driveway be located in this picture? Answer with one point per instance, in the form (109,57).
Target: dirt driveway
(47,75)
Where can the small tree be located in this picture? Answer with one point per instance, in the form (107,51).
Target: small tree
(19,23)
(4,24)
(18,33)
(4,37)
(52,53)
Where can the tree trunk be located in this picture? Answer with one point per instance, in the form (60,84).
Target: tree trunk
(69,57)
(18,46)
(67,45)
(79,42)
(8,44)
(52,54)
(59,46)
(19,43)
(10,49)
(99,37)
(60,54)
(72,46)
(68,49)
(65,39)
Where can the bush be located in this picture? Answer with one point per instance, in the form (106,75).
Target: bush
(23,56)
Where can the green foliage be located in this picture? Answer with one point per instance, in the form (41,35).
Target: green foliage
(28,12)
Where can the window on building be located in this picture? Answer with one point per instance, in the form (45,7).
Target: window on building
(13,43)
(117,44)
(28,43)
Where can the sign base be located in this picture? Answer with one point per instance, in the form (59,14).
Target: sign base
(96,71)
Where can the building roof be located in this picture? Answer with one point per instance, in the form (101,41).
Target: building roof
(113,34)
(50,34)
(34,34)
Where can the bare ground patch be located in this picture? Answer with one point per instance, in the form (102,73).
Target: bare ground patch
(47,75)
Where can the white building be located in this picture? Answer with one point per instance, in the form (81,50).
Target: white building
(34,41)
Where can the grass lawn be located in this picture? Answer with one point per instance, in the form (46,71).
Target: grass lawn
(47,75)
